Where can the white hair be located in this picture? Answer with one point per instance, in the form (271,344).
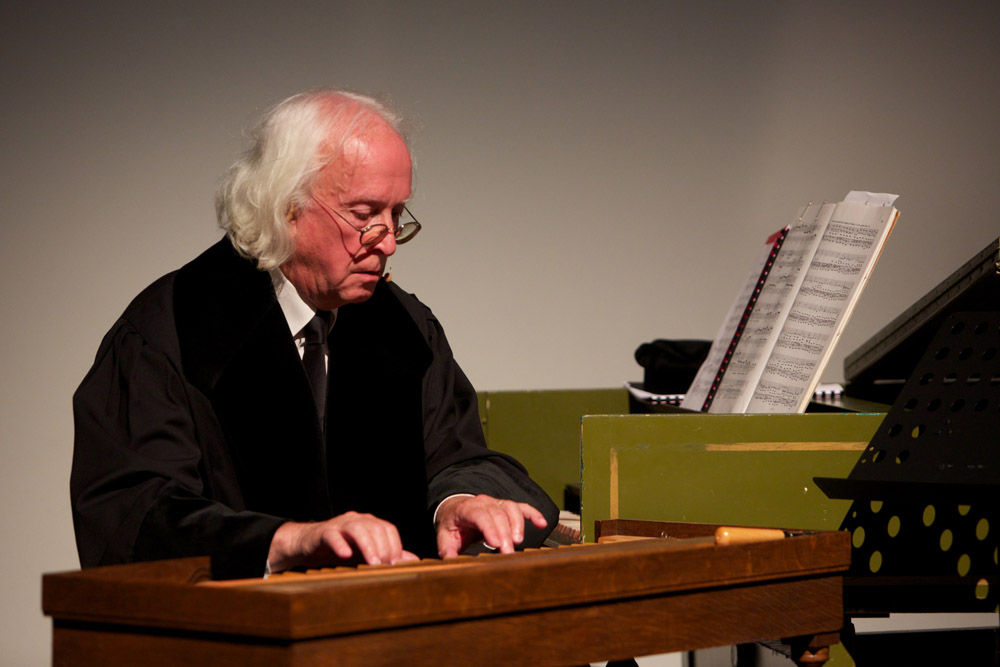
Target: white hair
(288,147)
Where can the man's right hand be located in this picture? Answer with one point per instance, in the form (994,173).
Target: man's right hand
(348,538)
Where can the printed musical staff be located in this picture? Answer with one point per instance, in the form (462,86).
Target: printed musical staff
(772,347)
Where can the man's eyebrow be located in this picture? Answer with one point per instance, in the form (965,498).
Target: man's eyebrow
(374,202)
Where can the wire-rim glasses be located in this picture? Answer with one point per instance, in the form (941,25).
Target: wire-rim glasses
(405,228)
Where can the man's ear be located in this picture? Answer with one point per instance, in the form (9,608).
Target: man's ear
(293,213)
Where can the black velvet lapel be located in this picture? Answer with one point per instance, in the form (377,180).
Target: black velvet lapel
(220,298)
(378,360)
(237,350)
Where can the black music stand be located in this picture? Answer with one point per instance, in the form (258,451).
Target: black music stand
(925,521)
(877,369)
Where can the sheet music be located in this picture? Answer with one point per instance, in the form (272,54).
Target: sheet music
(696,394)
(830,288)
(773,305)
(871,198)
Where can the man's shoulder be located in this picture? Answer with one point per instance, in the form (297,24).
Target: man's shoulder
(213,284)
(221,257)
(153,305)
(391,295)
(409,301)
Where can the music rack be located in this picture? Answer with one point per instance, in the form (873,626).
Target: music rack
(924,521)
(877,369)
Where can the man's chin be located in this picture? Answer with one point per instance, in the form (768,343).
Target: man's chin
(356,292)
(360,294)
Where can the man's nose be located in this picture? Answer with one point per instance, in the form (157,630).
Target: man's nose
(387,244)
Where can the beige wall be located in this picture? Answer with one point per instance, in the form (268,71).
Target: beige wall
(592,175)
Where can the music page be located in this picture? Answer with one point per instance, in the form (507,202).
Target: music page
(694,397)
(843,261)
(773,304)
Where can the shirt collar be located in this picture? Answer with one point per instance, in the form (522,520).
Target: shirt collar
(297,312)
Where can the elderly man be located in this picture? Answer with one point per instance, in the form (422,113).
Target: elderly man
(276,402)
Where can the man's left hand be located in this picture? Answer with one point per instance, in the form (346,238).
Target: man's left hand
(462,520)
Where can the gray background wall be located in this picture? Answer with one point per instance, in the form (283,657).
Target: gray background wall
(591,175)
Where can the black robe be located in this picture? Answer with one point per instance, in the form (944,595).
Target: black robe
(196,432)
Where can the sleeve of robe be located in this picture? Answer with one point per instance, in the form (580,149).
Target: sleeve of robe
(139,474)
(458,460)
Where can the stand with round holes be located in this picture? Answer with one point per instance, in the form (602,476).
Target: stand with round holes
(925,523)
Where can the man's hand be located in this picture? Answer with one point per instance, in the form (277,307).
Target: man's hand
(348,538)
(462,520)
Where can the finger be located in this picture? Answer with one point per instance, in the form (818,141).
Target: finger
(368,536)
(394,543)
(386,540)
(515,520)
(533,515)
(380,549)
(516,513)
(338,544)
(494,524)
(449,542)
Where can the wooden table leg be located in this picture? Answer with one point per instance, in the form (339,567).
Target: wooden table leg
(812,650)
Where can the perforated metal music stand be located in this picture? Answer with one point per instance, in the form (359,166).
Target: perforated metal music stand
(925,523)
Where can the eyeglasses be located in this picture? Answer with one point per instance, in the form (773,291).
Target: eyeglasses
(405,226)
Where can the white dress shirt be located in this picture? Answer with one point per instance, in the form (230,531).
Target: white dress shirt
(297,312)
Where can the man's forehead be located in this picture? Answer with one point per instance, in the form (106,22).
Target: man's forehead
(356,148)
(378,153)
(376,134)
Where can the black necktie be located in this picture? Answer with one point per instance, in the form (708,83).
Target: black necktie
(313,359)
